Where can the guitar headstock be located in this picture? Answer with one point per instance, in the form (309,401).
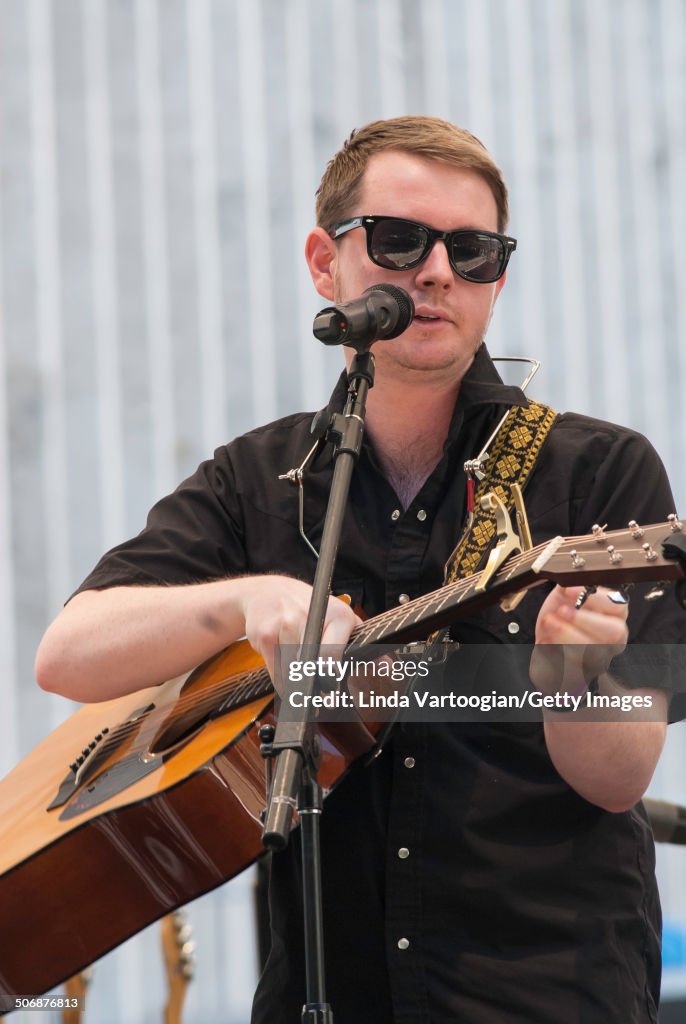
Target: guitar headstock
(179,961)
(613,557)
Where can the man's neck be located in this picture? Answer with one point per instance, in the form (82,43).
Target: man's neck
(408,427)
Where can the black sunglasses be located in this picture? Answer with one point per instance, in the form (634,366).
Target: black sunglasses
(397,244)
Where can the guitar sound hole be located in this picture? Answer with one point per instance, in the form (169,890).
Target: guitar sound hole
(179,730)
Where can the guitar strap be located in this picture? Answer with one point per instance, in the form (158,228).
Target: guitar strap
(513,454)
(512,457)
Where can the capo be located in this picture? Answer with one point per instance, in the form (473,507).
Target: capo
(521,517)
(508,542)
(510,602)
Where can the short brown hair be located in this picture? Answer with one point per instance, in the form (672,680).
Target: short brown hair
(429,137)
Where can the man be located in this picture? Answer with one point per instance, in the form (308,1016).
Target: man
(476,873)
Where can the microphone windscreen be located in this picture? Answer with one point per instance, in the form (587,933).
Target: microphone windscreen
(405,306)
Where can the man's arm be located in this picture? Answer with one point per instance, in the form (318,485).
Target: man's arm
(609,763)
(105,643)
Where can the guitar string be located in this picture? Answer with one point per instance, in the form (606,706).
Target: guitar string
(238,689)
(232,687)
(567,545)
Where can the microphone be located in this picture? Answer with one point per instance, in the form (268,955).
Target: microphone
(668,821)
(382,311)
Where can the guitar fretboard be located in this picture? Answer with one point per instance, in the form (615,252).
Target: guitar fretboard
(429,612)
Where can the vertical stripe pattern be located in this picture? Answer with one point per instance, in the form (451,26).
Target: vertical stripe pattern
(158,164)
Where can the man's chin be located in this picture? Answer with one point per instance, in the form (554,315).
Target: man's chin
(426,357)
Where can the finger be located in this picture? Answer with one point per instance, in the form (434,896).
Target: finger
(557,598)
(337,628)
(598,601)
(598,604)
(584,628)
(570,595)
(599,627)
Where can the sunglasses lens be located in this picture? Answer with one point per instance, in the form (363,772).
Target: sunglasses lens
(477,257)
(398,244)
(403,244)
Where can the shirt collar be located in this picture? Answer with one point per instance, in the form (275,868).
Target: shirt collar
(481,385)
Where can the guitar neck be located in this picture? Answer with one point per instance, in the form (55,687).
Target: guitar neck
(416,619)
(612,559)
(603,558)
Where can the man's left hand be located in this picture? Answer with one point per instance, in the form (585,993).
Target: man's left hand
(575,645)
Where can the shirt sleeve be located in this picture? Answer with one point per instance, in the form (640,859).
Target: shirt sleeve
(192,535)
(631,483)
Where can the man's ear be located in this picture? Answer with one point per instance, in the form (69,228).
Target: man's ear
(320,253)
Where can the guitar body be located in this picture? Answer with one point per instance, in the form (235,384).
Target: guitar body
(137,805)
(169,823)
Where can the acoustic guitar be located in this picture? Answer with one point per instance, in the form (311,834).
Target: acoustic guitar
(135,806)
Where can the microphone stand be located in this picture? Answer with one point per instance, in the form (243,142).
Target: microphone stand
(296,745)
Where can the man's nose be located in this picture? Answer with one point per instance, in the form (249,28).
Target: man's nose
(436,269)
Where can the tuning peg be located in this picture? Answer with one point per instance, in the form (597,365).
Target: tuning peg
(599,532)
(675,524)
(188,968)
(651,555)
(656,592)
(636,531)
(577,561)
(183,933)
(615,556)
(584,596)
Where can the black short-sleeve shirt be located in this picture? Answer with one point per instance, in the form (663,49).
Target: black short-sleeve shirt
(514,899)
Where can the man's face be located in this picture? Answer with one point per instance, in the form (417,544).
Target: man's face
(445,198)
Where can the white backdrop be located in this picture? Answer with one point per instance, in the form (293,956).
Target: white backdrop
(158,162)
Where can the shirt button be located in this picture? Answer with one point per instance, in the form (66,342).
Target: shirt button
(403,943)
(409,762)
(421,515)
(513,627)
(395,515)
(403,853)
(403,598)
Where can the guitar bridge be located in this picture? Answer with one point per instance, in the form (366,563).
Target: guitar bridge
(84,765)
(109,783)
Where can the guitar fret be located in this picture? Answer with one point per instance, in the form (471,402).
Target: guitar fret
(420,611)
(375,633)
(400,622)
(442,602)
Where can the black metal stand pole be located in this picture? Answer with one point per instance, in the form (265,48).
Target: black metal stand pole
(296,743)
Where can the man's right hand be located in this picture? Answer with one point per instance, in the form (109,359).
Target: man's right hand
(105,643)
(275,612)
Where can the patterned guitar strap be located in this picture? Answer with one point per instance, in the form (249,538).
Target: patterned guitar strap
(512,457)
(513,454)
